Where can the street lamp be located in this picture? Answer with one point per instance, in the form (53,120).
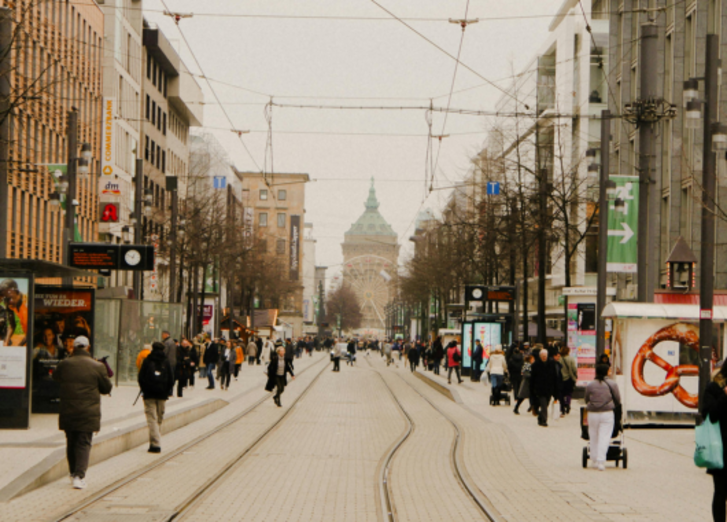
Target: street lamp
(63,184)
(181,228)
(54,200)
(83,168)
(86,152)
(126,234)
(148,198)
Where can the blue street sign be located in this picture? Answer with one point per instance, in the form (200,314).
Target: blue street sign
(493,188)
(220,182)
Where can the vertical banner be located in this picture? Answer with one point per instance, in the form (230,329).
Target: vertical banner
(108,142)
(61,314)
(294,248)
(582,340)
(16,330)
(623,226)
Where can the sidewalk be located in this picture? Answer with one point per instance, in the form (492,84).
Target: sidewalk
(661,482)
(34,457)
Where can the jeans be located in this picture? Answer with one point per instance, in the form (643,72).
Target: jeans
(78,451)
(600,428)
(496,380)
(566,396)
(211,374)
(435,367)
(225,375)
(237,370)
(154,410)
(280,385)
(250,360)
(412,365)
(456,370)
(542,405)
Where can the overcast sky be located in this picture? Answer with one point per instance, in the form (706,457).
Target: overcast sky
(379,63)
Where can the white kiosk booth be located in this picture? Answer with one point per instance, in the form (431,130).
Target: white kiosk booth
(655,357)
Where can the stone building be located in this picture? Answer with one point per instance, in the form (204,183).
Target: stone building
(370,261)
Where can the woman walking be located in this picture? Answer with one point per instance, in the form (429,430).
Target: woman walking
(569,371)
(228,358)
(497,369)
(715,406)
(454,356)
(278,369)
(602,396)
(524,391)
(437,354)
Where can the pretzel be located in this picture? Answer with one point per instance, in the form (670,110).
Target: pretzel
(683,333)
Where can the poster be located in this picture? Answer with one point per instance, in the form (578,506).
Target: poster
(14,327)
(12,366)
(467,342)
(582,340)
(61,314)
(490,334)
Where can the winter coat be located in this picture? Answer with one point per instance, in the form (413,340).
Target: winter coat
(515,363)
(289,351)
(569,370)
(337,350)
(267,351)
(477,356)
(451,363)
(211,354)
(437,350)
(240,357)
(183,369)
(600,395)
(413,356)
(497,364)
(170,350)
(82,381)
(143,354)
(156,378)
(273,371)
(524,391)
(229,358)
(544,379)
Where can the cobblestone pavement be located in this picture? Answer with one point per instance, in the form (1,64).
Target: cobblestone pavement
(320,464)
(178,477)
(660,484)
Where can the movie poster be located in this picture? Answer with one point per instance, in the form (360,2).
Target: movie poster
(61,314)
(14,331)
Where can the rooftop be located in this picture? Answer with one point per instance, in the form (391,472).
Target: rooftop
(371,222)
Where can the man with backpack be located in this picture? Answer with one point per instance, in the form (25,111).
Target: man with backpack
(156,380)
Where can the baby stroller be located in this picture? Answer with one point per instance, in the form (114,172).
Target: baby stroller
(616,450)
(501,393)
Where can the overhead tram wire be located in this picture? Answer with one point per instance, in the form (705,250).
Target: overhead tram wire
(209,84)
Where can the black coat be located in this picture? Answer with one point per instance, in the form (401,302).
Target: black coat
(515,363)
(211,354)
(155,386)
(438,350)
(715,405)
(477,356)
(544,379)
(273,371)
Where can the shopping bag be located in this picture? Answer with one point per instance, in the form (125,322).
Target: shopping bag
(709,452)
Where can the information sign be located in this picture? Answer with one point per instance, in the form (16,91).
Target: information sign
(623,226)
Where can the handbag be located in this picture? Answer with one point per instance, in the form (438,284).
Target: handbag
(617,413)
(708,452)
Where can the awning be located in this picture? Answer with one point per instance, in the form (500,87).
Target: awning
(41,268)
(682,312)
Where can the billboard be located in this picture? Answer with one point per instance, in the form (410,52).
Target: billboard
(489,334)
(16,331)
(582,339)
(61,314)
(623,226)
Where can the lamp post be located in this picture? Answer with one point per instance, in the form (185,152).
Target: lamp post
(715,140)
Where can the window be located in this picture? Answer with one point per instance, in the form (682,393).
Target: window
(263,219)
(164,125)
(280,246)
(146,149)
(281,220)
(148,103)
(282,195)
(153,112)
(164,161)
(263,195)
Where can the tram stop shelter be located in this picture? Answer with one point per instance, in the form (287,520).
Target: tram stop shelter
(655,359)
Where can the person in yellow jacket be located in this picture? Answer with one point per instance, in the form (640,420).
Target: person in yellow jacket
(240,358)
(142,355)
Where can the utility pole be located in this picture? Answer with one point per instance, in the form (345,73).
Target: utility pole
(6,37)
(542,254)
(173,247)
(69,225)
(647,267)
(709,168)
(138,231)
(603,232)
(321,309)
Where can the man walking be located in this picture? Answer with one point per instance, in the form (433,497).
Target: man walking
(170,350)
(155,380)
(337,350)
(251,351)
(477,357)
(543,385)
(211,356)
(83,381)
(278,369)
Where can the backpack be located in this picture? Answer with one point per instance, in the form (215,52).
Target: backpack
(456,357)
(155,379)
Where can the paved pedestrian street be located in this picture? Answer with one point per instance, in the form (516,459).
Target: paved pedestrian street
(373,443)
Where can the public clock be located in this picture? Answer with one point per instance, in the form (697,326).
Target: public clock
(477,293)
(132,257)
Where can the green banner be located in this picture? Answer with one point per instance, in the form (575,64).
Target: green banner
(623,226)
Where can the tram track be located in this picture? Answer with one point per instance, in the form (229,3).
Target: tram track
(387,501)
(184,507)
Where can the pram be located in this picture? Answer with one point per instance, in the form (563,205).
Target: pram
(616,450)
(503,392)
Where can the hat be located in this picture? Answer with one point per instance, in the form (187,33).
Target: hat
(81,342)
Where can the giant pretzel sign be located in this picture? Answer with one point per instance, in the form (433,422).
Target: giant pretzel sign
(687,334)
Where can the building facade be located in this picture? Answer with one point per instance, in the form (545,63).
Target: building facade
(57,58)
(370,264)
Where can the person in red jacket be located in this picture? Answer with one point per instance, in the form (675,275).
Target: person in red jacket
(454,356)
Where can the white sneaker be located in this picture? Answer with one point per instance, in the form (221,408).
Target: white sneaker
(79,483)
(70,479)
(601,466)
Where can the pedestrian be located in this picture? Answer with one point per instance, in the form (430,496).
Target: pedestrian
(156,379)
(602,397)
(413,356)
(211,358)
(478,354)
(143,354)
(183,367)
(569,372)
(351,349)
(82,382)
(515,368)
(259,344)
(266,354)
(437,354)
(454,356)
(544,385)
(337,351)
(278,369)
(497,369)
(714,409)
(193,362)
(251,351)
(290,351)
(202,343)
(523,391)
(239,357)
(228,358)
(170,350)
(604,360)
(387,352)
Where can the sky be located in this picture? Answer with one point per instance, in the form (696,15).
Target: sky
(253,50)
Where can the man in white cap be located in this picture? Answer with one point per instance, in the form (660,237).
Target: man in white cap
(82,381)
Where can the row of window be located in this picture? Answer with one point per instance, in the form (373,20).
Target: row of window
(156,74)
(156,115)
(155,155)
(282,195)
(263,219)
